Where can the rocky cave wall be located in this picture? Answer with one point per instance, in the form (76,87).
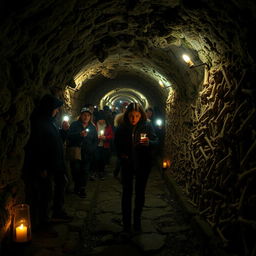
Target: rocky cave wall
(212,151)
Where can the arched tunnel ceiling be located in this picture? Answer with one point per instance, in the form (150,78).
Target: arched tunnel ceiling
(128,70)
(51,43)
(95,89)
(120,95)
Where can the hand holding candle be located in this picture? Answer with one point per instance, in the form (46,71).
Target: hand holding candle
(101,135)
(144,140)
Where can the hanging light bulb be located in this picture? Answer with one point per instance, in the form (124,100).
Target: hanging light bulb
(187,59)
(161,83)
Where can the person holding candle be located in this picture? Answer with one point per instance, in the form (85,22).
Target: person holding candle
(105,135)
(44,170)
(134,140)
(82,135)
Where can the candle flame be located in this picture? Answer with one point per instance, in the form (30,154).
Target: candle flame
(21,226)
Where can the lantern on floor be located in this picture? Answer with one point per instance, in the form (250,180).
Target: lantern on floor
(166,164)
(21,223)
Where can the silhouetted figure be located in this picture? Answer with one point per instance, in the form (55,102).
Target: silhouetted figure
(44,166)
(134,140)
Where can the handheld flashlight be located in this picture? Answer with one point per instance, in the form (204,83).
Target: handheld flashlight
(159,122)
(66,118)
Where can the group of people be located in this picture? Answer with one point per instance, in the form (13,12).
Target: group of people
(92,141)
(88,141)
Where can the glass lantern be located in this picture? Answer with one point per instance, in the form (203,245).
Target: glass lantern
(21,223)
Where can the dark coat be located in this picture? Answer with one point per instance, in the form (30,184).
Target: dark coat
(44,150)
(87,143)
(128,148)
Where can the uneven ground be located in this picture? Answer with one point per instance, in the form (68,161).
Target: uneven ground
(97,228)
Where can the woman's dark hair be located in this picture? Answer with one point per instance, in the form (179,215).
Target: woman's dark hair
(102,116)
(135,107)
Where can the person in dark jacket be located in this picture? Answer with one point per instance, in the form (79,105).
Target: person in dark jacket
(44,166)
(82,133)
(105,135)
(134,139)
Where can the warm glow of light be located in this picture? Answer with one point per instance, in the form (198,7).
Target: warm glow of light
(161,83)
(21,233)
(187,59)
(166,164)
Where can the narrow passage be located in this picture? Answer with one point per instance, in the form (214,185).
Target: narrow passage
(165,231)
(97,227)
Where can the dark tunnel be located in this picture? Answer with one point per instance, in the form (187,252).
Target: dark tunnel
(105,53)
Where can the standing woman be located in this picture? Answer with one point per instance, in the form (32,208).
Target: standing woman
(83,136)
(134,139)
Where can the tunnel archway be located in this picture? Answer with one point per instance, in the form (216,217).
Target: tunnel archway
(119,95)
(81,51)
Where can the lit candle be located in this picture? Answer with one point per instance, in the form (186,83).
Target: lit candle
(101,132)
(143,136)
(21,233)
(164,164)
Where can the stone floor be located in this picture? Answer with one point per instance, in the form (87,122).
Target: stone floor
(97,228)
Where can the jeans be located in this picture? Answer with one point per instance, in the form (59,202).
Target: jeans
(129,177)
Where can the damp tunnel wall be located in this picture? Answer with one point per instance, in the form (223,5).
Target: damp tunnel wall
(210,125)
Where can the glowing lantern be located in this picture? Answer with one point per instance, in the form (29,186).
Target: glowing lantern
(21,224)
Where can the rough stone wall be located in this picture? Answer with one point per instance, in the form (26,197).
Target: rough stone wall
(214,160)
(15,110)
(14,132)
